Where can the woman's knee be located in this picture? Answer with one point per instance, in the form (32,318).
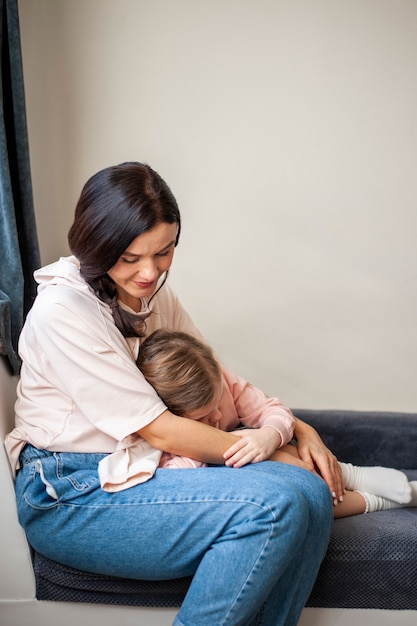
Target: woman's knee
(305,490)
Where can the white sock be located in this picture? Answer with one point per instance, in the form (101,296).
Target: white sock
(377,503)
(380,481)
(413,486)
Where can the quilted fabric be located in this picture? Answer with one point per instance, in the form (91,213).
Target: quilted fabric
(367,438)
(58,582)
(371,563)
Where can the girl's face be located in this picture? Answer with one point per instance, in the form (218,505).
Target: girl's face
(138,270)
(209,414)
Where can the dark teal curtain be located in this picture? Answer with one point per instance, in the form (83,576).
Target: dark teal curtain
(19,248)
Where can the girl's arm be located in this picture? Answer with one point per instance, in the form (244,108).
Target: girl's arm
(255,409)
(254,445)
(185,437)
(268,423)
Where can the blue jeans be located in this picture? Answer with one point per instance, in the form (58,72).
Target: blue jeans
(253,537)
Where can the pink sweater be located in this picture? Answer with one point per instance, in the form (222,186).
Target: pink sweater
(242,404)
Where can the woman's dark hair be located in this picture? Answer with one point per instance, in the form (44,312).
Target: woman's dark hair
(117,205)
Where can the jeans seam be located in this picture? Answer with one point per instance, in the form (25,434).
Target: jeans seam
(257,564)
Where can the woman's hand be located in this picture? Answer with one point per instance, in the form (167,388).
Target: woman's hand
(254,445)
(317,457)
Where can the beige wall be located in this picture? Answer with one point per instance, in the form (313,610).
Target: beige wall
(287,131)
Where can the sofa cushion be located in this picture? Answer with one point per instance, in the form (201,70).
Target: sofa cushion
(367,437)
(58,582)
(371,563)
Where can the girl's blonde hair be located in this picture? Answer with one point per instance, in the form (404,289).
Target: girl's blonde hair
(182,370)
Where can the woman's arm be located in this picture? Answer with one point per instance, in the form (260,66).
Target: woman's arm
(314,453)
(185,437)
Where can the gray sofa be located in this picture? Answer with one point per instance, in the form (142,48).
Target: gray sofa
(371,562)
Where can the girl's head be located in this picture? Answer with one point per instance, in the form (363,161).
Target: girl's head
(184,373)
(117,206)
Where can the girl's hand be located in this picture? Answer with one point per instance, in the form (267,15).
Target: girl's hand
(317,457)
(254,445)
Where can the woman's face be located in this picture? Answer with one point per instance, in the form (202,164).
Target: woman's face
(138,270)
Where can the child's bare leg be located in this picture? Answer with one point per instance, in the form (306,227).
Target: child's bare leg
(353,504)
(287,449)
(288,454)
(381,481)
(356,502)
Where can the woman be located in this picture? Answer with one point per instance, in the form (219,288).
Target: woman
(253,538)
(190,381)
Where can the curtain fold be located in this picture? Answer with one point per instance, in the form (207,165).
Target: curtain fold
(19,246)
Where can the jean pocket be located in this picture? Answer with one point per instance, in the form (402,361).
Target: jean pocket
(72,468)
(56,479)
(39,492)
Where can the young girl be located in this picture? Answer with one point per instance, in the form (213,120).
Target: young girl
(191,383)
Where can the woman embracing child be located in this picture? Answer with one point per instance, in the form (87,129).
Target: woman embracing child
(190,381)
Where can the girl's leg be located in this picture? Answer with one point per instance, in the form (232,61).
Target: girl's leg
(356,502)
(288,454)
(378,503)
(369,489)
(251,536)
(353,503)
(381,481)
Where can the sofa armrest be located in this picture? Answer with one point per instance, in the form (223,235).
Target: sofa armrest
(367,437)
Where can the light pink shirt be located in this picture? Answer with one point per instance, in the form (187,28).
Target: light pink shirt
(242,404)
(80,389)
